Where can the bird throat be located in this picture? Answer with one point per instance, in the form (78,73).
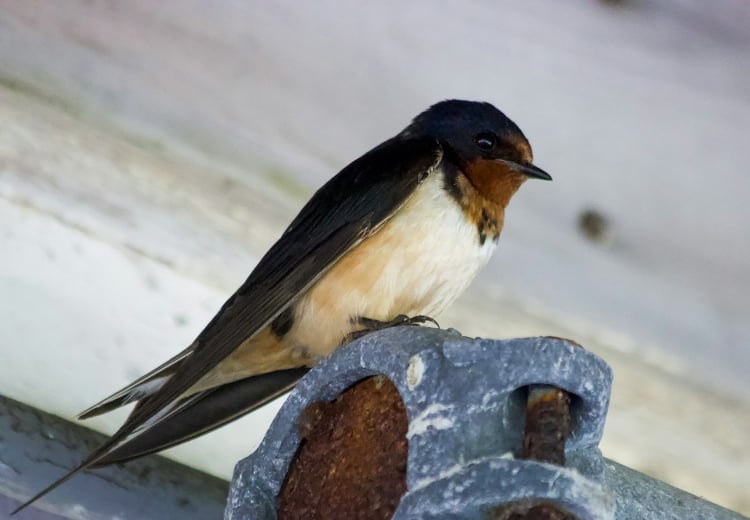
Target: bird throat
(483,190)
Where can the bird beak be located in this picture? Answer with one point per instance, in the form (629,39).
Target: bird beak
(529,170)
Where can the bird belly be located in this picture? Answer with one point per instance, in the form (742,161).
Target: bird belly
(419,262)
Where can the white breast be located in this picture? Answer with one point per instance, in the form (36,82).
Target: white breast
(418,263)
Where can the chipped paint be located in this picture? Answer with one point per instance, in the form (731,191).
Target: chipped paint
(434,416)
(414,372)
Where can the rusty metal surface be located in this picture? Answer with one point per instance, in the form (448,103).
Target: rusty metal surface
(529,511)
(546,428)
(352,460)
(547,424)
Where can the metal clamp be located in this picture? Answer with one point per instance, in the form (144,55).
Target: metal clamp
(497,429)
(465,400)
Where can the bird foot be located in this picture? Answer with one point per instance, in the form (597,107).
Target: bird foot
(372,325)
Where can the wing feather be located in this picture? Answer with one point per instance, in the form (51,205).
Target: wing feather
(350,207)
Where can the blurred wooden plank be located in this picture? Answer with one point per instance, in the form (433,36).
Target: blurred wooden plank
(37,448)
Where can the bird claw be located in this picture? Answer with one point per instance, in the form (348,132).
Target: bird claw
(372,325)
(401,319)
(419,320)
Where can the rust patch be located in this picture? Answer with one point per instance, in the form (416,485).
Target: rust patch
(547,425)
(529,510)
(352,461)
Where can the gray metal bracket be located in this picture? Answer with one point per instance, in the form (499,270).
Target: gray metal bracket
(465,401)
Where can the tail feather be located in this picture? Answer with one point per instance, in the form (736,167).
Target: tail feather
(138,389)
(189,418)
(125,396)
(204,412)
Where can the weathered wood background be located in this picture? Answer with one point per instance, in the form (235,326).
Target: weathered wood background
(151,151)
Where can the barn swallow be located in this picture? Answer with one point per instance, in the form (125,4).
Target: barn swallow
(401,231)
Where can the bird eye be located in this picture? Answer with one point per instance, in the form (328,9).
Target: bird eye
(486,140)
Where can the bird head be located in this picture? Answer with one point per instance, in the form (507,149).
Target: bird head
(475,133)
